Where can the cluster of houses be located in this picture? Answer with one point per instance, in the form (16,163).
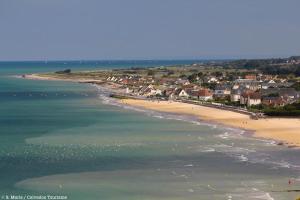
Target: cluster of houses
(249,90)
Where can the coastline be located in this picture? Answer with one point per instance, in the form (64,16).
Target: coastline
(284,130)
(48,78)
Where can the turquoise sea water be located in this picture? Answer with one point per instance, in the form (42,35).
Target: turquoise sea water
(60,138)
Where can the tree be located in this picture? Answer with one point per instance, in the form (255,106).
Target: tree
(182,76)
(217,74)
(170,72)
(193,77)
(273,95)
(296,86)
(150,72)
(200,74)
(297,72)
(66,71)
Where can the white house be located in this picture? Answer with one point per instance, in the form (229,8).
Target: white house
(235,95)
(250,98)
(181,93)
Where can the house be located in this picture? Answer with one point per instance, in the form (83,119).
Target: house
(145,89)
(250,76)
(193,94)
(181,93)
(276,85)
(113,78)
(290,94)
(150,91)
(155,92)
(170,93)
(250,98)
(135,89)
(205,94)
(128,90)
(166,81)
(182,82)
(274,101)
(126,81)
(210,79)
(247,83)
(190,86)
(201,94)
(235,95)
(222,91)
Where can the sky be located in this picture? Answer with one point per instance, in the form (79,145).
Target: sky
(148,29)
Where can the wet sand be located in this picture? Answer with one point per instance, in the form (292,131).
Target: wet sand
(283,130)
(50,78)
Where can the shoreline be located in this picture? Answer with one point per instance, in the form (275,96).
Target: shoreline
(45,78)
(286,131)
(283,130)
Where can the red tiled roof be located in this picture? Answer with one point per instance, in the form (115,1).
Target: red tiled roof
(204,92)
(251,95)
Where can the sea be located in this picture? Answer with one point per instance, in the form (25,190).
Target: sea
(62,140)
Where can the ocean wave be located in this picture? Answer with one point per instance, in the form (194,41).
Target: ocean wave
(243,158)
(202,149)
(259,195)
(169,116)
(249,191)
(225,148)
(246,153)
(223,135)
(250,155)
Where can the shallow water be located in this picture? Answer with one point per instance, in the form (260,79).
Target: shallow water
(70,139)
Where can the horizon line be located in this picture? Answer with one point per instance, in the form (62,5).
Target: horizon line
(152,59)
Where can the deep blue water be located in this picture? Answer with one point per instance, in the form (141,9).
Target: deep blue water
(45,66)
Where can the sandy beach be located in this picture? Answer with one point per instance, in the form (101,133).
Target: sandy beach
(285,130)
(49,78)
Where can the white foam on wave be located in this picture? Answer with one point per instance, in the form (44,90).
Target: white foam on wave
(161,115)
(225,148)
(158,116)
(104,96)
(209,150)
(243,158)
(201,149)
(259,195)
(266,142)
(190,190)
(223,135)
(252,156)
(240,153)
(248,192)
(232,134)
(284,164)
(265,196)
(189,165)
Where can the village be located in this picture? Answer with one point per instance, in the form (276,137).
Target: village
(269,87)
(248,92)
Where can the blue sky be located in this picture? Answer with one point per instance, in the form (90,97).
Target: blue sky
(148,29)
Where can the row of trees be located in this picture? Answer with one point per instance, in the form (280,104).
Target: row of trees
(287,110)
(267,66)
